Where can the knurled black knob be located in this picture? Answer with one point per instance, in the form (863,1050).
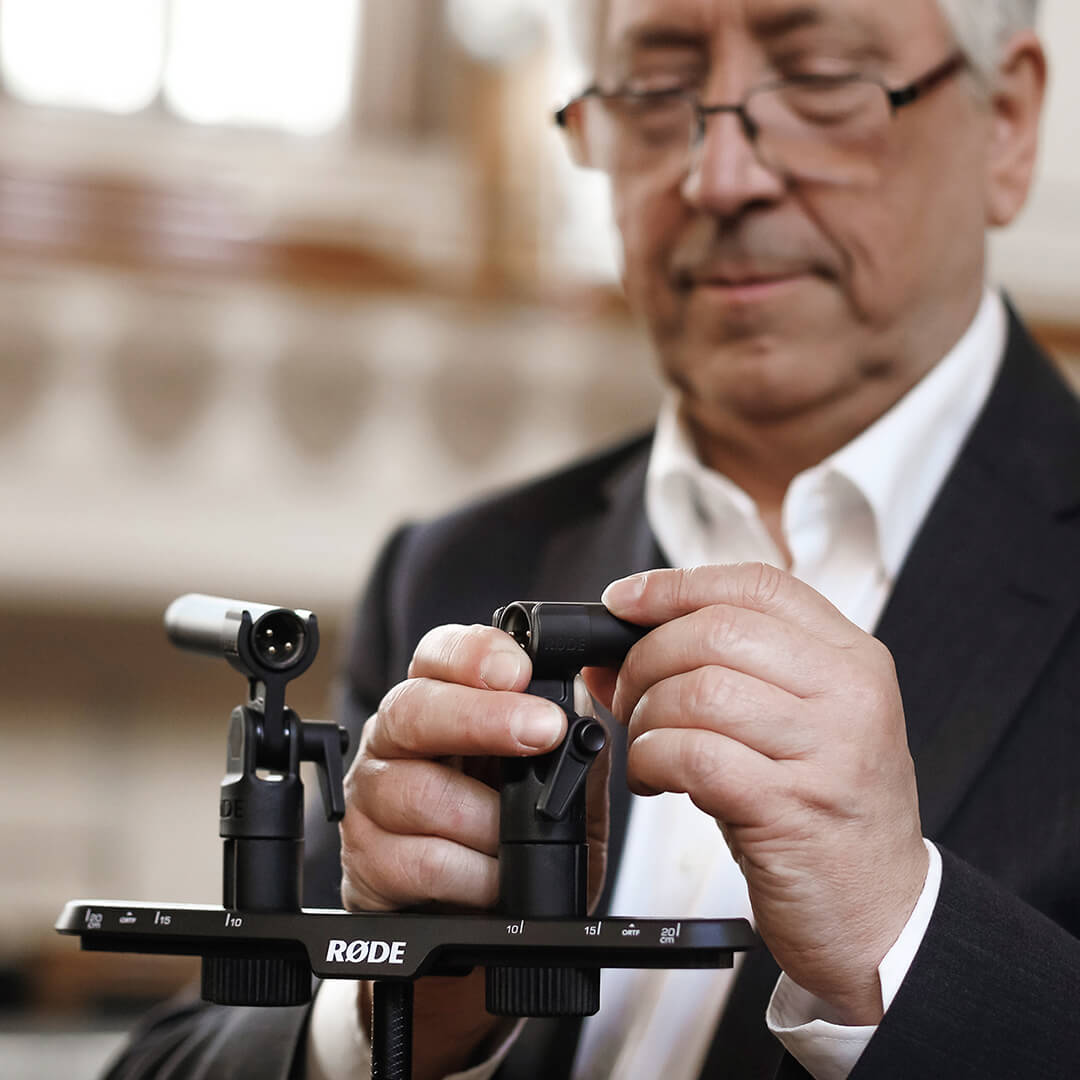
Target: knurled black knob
(543,991)
(271,979)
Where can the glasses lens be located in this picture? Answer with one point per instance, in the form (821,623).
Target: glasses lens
(638,134)
(833,131)
(827,130)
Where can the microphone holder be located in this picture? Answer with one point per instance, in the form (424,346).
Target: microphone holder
(541,949)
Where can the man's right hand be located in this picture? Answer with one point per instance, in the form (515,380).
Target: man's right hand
(421,829)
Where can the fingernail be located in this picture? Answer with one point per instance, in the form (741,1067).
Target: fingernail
(503,669)
(623,593)
(538,728)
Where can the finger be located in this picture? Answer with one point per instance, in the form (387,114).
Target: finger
(600,683)
(424,798)
(728,703)
(597,797)
(597,817)
(383,871)
(723,777)
(425,718)
(762,646)
(661,595)
(478,656)
(599,771)
(583,701)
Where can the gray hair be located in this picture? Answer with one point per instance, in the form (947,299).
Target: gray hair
(981,28)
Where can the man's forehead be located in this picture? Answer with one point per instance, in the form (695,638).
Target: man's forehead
(630,20)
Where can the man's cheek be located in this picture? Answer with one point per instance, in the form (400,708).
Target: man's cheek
(647,281)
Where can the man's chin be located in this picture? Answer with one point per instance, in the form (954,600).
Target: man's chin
(762,377)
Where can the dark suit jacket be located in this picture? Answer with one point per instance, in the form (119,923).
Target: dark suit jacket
(984,625)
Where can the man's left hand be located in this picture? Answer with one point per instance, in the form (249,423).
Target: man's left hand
(783,720)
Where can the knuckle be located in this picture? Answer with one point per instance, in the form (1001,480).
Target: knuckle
(364,883)
(357,778)
(707,691)
(685,586)
(398,720)
(464,650)
(436,799)
(641,758)
(723,628)
(881,657)
(640,720)
(353,827)
(629,680)
(701,765)
(870,686)
(431,871)
(427,647)
(384,869)
(761,584)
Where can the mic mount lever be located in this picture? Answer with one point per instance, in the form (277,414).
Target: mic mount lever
(584,741)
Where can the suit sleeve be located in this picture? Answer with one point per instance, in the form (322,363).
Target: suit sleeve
(186,1039)
(992,993)
(194,1041)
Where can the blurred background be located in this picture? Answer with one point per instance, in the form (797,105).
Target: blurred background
(275,276)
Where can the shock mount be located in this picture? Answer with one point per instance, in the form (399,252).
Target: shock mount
(541,950)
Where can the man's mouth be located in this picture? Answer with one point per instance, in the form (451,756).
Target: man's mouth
(743,285)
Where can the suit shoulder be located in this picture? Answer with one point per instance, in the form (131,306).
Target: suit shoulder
(561,495)
(448,568)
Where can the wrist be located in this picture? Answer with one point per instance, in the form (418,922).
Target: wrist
(878,965)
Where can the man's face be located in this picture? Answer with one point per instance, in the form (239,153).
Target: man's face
(770,298)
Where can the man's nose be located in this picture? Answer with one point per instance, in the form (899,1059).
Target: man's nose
(725,173)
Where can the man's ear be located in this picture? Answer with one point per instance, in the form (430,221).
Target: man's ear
(1016,107)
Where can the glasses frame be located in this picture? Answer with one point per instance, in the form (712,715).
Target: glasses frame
(897,97)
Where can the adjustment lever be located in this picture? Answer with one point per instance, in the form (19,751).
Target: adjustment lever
(584,741)
(325,744)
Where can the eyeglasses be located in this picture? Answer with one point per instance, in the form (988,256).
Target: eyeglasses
(819,128)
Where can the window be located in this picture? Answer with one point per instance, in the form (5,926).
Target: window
(101,55)
(261,63)
(285,64)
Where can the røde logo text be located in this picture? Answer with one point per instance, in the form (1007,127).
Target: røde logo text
(371,952)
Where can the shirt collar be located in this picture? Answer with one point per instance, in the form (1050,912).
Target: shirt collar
(897,465)
(901,461)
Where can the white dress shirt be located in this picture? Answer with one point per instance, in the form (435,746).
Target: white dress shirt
(848,523)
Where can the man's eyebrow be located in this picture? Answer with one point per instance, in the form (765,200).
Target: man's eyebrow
(659,36)
(780,23)
(654,36)
(649,35)
(770,26)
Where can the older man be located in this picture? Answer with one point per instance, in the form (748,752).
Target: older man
(859,438)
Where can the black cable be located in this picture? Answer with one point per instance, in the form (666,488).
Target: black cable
(391,1030)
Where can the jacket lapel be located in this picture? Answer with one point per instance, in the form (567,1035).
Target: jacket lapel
(992,580)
